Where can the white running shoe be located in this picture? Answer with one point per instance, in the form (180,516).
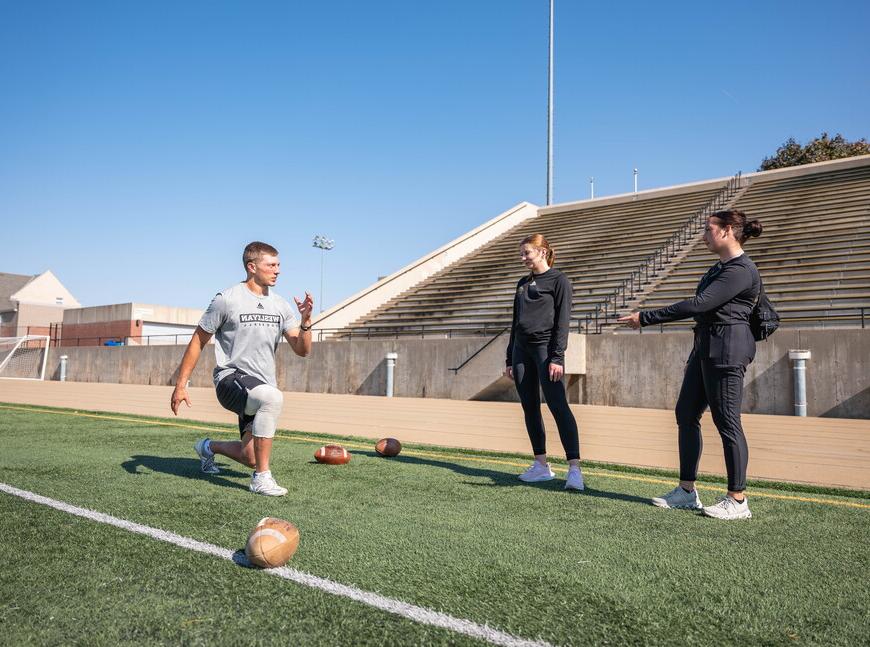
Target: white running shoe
(575,479)
(729,509)
(679,498)
(537,472)
(264,484)
(206,458)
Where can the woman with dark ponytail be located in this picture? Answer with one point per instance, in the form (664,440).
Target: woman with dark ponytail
(724,346)
(536,357)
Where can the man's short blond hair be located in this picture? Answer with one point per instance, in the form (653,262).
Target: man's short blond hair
(253,252)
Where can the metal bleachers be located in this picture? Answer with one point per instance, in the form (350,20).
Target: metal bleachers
(814,253)
(596,247)
(643,251)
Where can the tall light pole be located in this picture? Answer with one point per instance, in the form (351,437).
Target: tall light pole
(550,113)
(324,244)
(592,188)
(635,180)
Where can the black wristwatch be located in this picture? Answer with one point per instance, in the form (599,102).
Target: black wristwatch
(304,328)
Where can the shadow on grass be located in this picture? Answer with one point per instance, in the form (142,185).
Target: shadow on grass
(616,496)
(507,479)
(240,559)
(186,467)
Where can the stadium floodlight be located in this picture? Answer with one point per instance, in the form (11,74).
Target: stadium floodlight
(550,112)
(324,244)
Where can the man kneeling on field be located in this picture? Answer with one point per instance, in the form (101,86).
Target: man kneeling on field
(247,321)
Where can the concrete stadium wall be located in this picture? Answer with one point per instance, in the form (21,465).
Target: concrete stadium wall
(628,370)
(646,370)
(355,367)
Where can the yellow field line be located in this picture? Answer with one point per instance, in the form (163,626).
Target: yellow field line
(429,454)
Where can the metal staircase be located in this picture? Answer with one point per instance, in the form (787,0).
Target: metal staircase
(653,269)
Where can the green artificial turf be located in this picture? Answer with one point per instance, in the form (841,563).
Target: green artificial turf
(446,532)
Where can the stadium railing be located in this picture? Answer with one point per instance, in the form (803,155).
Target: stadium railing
(832,316)
(632,285)
(116,340)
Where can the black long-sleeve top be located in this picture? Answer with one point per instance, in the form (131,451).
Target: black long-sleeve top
(542,314)
(723,300)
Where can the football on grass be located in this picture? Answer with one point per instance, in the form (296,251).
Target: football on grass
(332,455)
(388,447)
(272,542)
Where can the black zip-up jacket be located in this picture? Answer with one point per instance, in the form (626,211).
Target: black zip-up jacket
(542,314)
(723,300)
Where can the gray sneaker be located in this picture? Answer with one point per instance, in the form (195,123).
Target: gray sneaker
(537,472)
(680,499)
(575,479)
(206,459)
(264,484)
(729,509)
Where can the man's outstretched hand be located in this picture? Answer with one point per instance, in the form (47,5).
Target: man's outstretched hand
(305,306)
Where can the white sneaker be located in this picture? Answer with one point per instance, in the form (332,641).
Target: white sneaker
(575,479)
(729,509)
(537,472)
(679,498)
(264,484)
(206,458)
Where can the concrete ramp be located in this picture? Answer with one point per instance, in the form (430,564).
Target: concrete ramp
(501,390)
(485,372)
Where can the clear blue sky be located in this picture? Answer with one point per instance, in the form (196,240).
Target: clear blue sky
(143,144)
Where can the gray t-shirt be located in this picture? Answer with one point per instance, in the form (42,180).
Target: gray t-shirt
(247,330)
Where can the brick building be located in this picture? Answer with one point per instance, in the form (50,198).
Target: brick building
(127,323)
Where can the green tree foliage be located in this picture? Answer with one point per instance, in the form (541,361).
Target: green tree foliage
(820,149)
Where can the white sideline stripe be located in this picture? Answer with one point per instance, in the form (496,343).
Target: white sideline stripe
(421,615)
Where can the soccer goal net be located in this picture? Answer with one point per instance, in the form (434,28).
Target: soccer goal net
(23,358)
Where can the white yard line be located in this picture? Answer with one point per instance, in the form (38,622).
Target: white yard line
(412,612)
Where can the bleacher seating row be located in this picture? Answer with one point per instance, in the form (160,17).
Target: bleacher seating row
(814,256)
(814,253)
(596,247)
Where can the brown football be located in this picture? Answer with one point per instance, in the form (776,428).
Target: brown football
(272,542)
(388,447)
(332,455)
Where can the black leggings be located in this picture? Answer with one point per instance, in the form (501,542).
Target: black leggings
(720,387)
(531,369)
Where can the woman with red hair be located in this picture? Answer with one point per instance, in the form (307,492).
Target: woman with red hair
(536,357)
